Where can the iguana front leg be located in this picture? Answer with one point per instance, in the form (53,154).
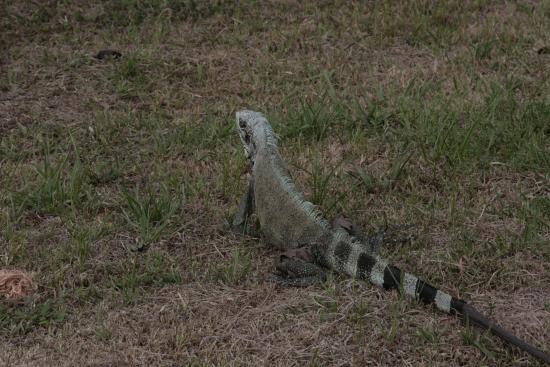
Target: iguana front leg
(295,268)
(245,209)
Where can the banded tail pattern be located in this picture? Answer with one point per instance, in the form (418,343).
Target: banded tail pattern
(348,256)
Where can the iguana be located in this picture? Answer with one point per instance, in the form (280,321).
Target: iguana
(289,222)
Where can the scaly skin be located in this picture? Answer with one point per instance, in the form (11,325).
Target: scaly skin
(289,222)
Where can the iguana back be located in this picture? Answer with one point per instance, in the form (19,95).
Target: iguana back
(287,220)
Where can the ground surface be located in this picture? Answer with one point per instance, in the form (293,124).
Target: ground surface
(433,113)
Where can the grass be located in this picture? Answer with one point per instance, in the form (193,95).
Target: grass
(24,318)
(390,112)
(150,215)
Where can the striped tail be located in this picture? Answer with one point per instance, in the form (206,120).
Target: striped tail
(391,277)
(347,256)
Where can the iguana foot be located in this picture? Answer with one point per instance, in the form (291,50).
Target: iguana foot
(373,242)
(243,226)
(239,228)
(392,235)
(294,268)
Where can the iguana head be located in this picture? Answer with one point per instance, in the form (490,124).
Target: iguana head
(255,132)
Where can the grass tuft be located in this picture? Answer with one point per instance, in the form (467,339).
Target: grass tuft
(19,320)
(150,213)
